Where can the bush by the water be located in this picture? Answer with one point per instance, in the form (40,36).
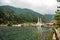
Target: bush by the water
(9,25)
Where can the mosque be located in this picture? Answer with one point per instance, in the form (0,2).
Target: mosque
(39,23)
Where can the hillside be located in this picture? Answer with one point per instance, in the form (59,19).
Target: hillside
(18,15)
(49,16)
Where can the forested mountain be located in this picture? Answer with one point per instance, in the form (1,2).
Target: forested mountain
(50,16)
(18,15)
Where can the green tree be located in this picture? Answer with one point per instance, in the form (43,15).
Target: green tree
(57,18)
(58,0)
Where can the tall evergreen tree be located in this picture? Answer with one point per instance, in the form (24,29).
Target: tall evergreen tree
(57,17)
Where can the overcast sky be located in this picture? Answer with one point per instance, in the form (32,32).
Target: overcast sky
(41,6)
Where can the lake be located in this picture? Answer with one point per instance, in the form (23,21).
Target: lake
(25,33)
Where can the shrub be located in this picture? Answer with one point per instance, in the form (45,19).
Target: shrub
(9,25)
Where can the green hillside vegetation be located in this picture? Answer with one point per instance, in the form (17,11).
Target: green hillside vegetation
(9,14)
(50,16)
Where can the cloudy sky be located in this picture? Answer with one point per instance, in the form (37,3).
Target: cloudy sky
(41,6)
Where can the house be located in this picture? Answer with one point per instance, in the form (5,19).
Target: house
(51,23)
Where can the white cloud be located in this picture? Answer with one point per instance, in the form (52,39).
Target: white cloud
(4,2)
(41,6)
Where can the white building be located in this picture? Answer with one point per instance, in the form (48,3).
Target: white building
(39,23)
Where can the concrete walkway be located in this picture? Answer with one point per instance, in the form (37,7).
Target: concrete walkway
(58,32)
(54,38)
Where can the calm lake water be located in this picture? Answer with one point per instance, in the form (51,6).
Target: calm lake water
(24,33)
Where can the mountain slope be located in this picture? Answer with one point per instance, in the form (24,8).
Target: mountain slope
(18,15)
(49,16)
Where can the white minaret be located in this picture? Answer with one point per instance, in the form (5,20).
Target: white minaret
(38,20)
(39,23)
